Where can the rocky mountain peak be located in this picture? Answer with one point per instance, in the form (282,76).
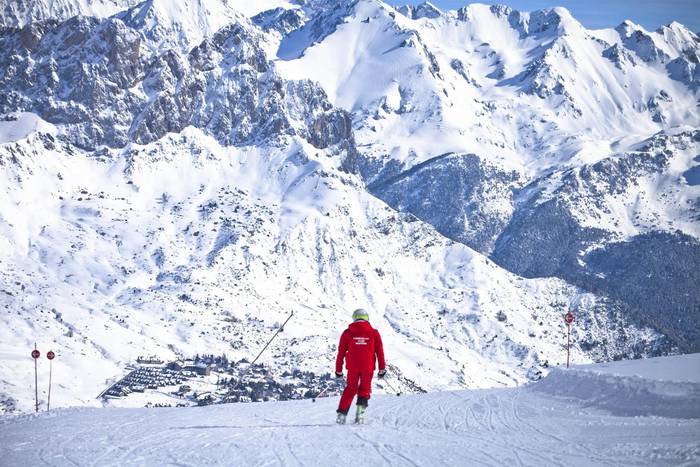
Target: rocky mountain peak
(17,13)
(181,24)
(422,10)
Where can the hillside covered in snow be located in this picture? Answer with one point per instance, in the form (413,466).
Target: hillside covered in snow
(177,178)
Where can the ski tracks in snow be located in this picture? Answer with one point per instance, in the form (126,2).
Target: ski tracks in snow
(487,427)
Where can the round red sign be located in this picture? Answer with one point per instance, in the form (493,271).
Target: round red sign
(35,353)
(50,355)
(569,318)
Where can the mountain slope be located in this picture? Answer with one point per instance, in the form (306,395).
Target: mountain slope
(18,13)
(204,14)
(513,87)
(115,256)
(522,133)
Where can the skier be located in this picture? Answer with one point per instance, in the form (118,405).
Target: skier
(360,344)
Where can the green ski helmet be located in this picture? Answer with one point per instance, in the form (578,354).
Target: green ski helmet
(360,313)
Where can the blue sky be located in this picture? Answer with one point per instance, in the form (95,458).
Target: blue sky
(595,14)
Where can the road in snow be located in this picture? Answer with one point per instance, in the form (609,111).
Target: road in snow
(522,426)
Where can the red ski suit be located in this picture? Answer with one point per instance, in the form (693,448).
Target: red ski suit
(360,344)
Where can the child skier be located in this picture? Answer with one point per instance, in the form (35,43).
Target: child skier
(359,345)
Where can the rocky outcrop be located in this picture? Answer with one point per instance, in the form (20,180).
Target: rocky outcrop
(99,80)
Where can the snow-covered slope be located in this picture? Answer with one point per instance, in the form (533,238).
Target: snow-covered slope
(492,81)
(181,24)
(185,19)
(663,386)
(185,23)
(183,246)
(523,426)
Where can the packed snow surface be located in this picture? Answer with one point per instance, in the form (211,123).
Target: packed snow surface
(519,426)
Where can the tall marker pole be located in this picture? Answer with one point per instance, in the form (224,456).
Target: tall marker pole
(569,318)
(35,356)
(261,352)
(568,344)
(50,355)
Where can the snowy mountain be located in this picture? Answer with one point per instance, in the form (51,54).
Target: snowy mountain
(18,13)
(517,133)
(628,413)
(124,258)
(199,17)
(177,178)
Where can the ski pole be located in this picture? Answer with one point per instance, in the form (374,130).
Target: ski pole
(391,387)
(328,386)
(261,352)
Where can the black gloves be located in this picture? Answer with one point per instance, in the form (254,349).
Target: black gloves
(338,375)
(381,373)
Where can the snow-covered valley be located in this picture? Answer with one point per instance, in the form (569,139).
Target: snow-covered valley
(646,413)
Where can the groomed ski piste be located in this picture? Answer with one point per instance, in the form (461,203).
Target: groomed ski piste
(642,412)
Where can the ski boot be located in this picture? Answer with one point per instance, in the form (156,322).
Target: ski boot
(340,419)
(360,414)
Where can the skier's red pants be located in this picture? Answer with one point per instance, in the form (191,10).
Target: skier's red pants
(358,382)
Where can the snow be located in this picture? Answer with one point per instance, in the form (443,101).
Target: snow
(183,24)
(252,8)
(679,368)
(15,127)
(662,387)
(21,12)
(108,245)
(528,100)
(520,426)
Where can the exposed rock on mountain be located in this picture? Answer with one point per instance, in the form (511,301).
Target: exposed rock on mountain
(128,93)
(18,13)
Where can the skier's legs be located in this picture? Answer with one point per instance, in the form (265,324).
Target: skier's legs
(351,386)
(365,388)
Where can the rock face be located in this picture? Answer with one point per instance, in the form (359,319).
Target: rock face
(18,13)
(99,80)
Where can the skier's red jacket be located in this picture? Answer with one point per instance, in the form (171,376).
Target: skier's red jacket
(359,345)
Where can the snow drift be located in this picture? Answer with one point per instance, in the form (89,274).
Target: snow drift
(663,387)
